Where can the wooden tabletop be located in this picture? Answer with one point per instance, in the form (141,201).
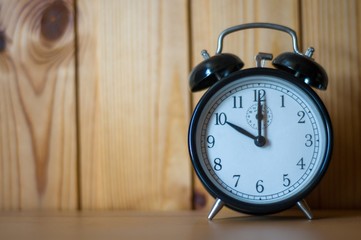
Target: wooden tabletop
(178,225)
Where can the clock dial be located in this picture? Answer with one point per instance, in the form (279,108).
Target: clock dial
(259,140)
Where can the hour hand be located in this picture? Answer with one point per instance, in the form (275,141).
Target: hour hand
(242,130)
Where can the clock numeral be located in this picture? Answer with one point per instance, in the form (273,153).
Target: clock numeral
(237,102)
(237,179)
(221,118)
(286,180)
(301,114)
(301,164)
(217,164)
(261,93)
(211,141)
(309,141)
(259,186)
(282,101)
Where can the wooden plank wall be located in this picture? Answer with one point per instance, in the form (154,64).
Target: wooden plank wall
(94,99)
(134,104)
(38,148)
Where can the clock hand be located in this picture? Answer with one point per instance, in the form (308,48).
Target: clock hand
(259,116)
(241,130)
(259,140)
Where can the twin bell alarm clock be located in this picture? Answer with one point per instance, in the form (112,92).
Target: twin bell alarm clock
(260,139)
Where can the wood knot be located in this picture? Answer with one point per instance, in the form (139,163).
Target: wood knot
(199,200)
(55,20)
(2,41)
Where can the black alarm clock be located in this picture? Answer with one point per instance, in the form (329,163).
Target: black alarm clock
(260,139)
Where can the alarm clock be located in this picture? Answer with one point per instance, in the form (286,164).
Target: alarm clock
(260,139)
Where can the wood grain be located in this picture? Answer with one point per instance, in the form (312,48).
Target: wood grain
(209,18)
(95,105)
(333,27)
(134,104)
(37,106)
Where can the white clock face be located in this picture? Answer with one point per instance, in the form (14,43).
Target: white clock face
(261,140)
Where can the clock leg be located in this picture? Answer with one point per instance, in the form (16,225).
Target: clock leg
(218,205)
(303,206)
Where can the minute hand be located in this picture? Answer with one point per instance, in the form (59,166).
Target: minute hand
(259,116)
(241,130)
(260,141)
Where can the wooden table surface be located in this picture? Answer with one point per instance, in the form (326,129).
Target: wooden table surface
(345,225)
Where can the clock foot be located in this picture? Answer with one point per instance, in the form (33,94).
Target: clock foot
(218,205)
(303,206)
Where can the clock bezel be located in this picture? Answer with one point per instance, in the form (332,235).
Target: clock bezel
(236,204)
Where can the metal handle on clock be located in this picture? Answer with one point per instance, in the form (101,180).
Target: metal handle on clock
(258,25)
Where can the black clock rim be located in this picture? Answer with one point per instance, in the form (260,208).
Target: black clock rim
(238,205)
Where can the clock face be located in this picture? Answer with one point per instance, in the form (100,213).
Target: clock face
(260,139)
